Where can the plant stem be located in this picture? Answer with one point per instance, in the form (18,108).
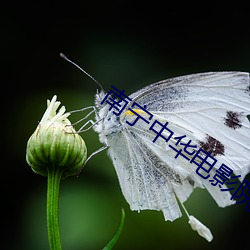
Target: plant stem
(54,177)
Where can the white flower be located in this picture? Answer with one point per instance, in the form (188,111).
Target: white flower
(196,225)
(55,143)
(200,228)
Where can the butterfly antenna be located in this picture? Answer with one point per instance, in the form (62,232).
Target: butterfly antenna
(68,60)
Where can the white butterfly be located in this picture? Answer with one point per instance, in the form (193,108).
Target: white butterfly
(210,109)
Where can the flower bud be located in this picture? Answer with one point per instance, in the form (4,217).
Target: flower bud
(55,144)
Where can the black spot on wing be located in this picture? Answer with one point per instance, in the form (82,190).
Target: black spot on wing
(248,89)
(233,119)
(212,145)
(191,181)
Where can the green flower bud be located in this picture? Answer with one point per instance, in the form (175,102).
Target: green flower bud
(55,144)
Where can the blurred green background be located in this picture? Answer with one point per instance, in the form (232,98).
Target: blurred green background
(129,46)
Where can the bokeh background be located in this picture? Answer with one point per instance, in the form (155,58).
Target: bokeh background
(127,44)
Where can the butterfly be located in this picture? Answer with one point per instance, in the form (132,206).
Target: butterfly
(210,109)
(204,112)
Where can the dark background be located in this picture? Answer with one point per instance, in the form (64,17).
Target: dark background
(127,44)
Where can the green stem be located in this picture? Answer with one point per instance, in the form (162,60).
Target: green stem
(54,177)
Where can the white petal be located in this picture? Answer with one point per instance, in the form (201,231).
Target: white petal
(200,228)
(51,114)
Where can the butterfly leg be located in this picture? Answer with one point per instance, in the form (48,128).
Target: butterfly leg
(86,116)
(81,129)
(91,155)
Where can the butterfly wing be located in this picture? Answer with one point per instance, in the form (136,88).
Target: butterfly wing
(213,106)
(210,109)
(143,186)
